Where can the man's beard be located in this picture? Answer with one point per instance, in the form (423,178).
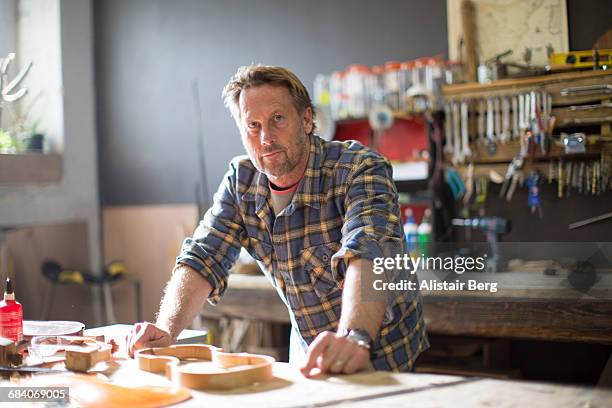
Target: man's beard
(289,163)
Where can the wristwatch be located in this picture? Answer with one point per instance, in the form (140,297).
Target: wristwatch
(358,336)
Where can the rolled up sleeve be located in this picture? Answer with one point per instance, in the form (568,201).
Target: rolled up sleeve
(372,225)
(216,242)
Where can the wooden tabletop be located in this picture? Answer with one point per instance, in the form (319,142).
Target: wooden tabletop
(290,389)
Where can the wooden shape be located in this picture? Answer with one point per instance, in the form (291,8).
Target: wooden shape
(81,358)
(92,392)
(9,355)
(228,370)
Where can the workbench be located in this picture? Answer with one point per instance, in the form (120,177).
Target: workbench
(526,312)
(290,389)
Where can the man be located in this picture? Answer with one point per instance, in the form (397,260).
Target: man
(315,215)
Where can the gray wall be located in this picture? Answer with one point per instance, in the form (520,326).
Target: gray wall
(147,53)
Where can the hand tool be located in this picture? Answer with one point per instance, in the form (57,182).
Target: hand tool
(568,177)
(581,177)
(466,152)
(591,220)
(505,133)
(448,132)
(587,90)
(518,178)
(514,166)
(551,171)
(482,184)
(515,118)
(497,115)
(533,197)
(560,179)
(581,59)
(492,149)
(481,121)
(469,184)
(456,134)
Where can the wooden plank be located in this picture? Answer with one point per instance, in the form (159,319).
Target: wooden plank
(147,238)
(571,320)
(30,168)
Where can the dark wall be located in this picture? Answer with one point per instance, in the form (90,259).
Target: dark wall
(587,20)
(148,52)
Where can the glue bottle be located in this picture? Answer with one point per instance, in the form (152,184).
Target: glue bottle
(11,315)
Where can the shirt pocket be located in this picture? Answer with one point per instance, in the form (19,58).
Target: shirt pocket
(316,262)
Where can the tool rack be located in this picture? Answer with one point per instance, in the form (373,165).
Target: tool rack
(579,99)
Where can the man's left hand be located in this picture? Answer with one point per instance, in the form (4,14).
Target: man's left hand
(335,354)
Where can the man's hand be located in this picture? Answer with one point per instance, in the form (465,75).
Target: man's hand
(145,335)
(334,354)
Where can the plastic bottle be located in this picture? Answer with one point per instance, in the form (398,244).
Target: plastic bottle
(424,233)
(410,231)
(11,315)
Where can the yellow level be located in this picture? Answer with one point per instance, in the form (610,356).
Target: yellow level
(581,59)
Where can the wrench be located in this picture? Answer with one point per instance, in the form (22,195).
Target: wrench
(448,132)
(505,134)
(490,130)
(515,118)
(481,121)
(466,152)
(456,137)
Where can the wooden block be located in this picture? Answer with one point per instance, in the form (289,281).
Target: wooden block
(7,350)
(82,359)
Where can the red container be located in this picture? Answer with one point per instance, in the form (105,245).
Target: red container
(11,315)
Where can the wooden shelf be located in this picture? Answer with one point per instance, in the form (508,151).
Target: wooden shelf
(553,84)
(36,168)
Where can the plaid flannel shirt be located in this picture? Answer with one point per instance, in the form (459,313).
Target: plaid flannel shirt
(345,207)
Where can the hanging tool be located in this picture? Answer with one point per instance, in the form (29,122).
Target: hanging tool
(482,184)
(492,149)
(481,122)
(448,132)
(533,197)
(453,179)
(456,134)
(469,184)
(591,220)
(518,179)
(466,152)
(505,132)
(497,117)
(515,118)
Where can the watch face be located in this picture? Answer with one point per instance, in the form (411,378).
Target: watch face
(360,337)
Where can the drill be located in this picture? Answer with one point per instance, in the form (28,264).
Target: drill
(491,226)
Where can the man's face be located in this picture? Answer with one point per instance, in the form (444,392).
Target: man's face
(273,132)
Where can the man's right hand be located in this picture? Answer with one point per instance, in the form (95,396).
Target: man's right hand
(144,335)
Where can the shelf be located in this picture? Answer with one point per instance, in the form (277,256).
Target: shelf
(552,83)
(506,152)
(35,168)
